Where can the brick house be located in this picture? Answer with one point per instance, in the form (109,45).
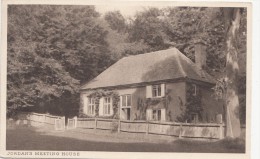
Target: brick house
(164,85)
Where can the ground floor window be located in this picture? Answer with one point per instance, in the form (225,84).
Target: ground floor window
(91,106)
(155,114)
(107,105)
(126,101)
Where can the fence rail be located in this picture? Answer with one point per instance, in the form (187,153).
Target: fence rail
(185,130)
(46,120)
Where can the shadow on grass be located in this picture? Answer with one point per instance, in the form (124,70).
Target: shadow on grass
(221,146)
(25,138)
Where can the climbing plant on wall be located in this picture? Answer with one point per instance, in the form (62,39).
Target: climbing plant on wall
(97,94)
(142,104)
(192,105)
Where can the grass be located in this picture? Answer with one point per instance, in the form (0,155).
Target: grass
(24,138)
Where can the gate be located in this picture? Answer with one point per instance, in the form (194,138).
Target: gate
(60,123)
(72,123)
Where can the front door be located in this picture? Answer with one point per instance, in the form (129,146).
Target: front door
(125,113)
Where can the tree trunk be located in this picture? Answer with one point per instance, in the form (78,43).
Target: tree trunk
(232,21)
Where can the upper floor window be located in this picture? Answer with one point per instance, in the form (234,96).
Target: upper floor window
(126,101)
(107,105)
(156,91)
(91,106)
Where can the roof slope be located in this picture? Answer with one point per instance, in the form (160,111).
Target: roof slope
(155,66)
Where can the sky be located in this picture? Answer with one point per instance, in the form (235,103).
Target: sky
(126,11)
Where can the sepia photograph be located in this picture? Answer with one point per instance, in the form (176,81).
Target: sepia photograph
(126,78)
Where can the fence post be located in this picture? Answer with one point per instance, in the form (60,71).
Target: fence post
(147,128)
(95,123)
(67,126)
(76,121)
(44,115)
(55,128)
(119,126)
(221,136)
(64,122)
(180,134)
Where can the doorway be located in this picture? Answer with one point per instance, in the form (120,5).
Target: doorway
(125,113)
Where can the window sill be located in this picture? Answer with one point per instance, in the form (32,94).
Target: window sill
(107,115)
(156,97)
(125,107)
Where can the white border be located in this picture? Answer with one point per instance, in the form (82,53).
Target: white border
(255,81)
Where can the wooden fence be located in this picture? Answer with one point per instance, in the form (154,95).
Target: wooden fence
(46,120)
(185,130)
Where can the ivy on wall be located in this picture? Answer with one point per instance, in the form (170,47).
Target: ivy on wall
(141,107)
(97,94)
(192,105)
(142,104)
(81,114)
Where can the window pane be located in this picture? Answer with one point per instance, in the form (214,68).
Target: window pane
(159,114)
(159,90)
(154,114)
(123,100)
(129,100)
(89,111)
(154,93)
(92,109)
(108,109)
(105,109)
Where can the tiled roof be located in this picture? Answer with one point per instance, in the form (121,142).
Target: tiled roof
(150,67)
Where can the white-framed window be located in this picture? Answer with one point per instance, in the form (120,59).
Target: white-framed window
(156,91)
(91,106)
(126,101)
(156,115)
(107,105)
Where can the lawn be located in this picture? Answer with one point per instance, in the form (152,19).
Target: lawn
(25,138)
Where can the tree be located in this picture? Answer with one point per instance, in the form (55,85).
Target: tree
(182,27)
(147,28)
(116,21)
(232,22)
(118,39)
(32,76)
(51,49)
(187,25)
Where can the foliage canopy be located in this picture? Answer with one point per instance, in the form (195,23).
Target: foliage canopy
(54,49)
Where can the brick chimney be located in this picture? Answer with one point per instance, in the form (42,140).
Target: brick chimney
(200,53)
